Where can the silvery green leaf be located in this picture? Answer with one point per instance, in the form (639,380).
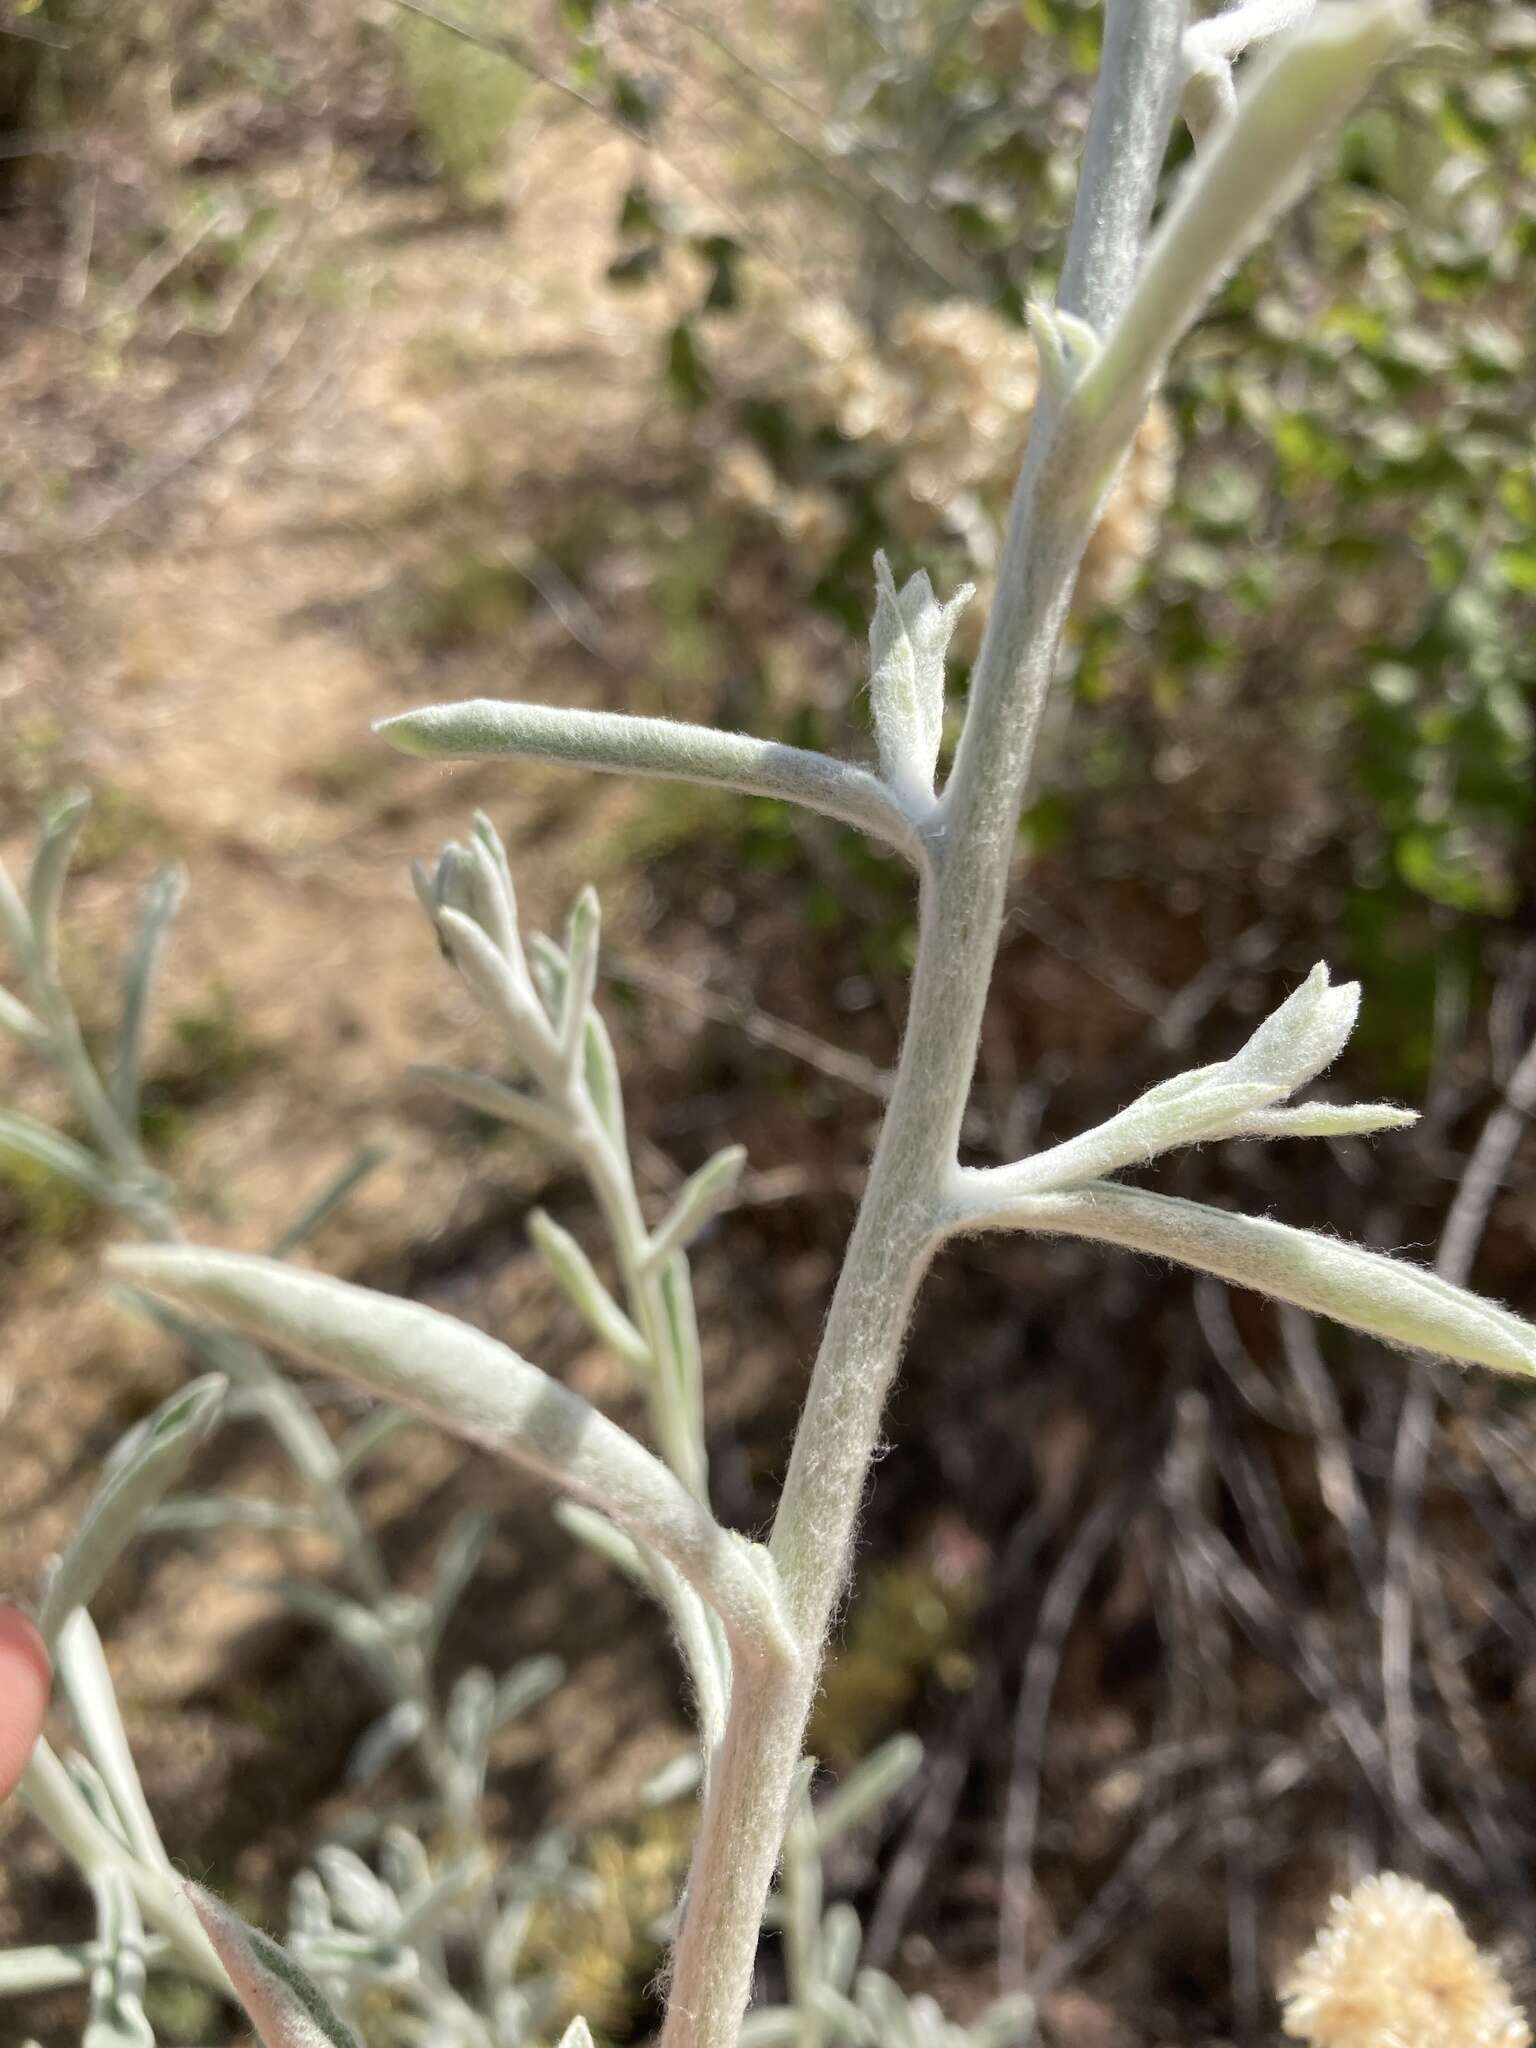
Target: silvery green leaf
(882,2002)
(772,2026)
(519,1690)
(683,1332)
(161,901)
(929,2025)
(702,1196)
(869,1786)
(26,1138)
(582,934)
(842,1937)
(470,1717)
(54,1966)
(1306,1034)
(121,1805)
(502,985)
(142,1468)
(50,864)
(462,1549)
(379,1744)
(678,1779)
(1390,1298)
(404,1863)
(600,1070)
(909,640)
(336,1191)
(15,925)
(496,728)
(1324,1120)
(494,1098)
(16,1017)
(446,1895)
(285,2005)
(579,1281)
(1234,190)
(577,2035)
(1153,1124)
(547,964)
(1004,2024)
(486,1393)
(492,897)
(357,1626)
(369,1435)
(358,1898)
(229,1511)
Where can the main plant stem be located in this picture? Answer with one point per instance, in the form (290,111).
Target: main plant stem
(969,847)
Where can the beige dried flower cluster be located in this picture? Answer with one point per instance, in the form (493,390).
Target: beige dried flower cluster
(1394,1968)
(949,392)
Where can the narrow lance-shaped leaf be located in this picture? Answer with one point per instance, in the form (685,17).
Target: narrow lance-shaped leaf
(1390,1298)
(45,885)
(1226,199)
(87,1682)
(15,925)
(462,1549)
(600,1071)
(161,901)
(54,1966)
(285,2005)
(492,728)
(25,1138)
(547,964)
(702,1196)
(336,1192)
(493,900)
(482,1390)
(581,945)
(15,1017)
(383,1740)
(144,1467)
(495,1098)
(578,1278)
(1210,46)
(507,994)
(519,1690)
(869,1786)
(1324,1120)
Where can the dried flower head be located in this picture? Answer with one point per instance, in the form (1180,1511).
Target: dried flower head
(1395,1968)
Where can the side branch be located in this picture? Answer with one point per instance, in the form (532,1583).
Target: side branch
(1402,1303)
(1236,188)
(493,728)
(483,1391)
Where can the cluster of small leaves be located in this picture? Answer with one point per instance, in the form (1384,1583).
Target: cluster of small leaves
(92,1799)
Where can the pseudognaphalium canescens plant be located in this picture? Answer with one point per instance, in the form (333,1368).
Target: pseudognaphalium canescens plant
(751,1619)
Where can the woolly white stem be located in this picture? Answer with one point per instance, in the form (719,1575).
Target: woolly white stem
(971,845)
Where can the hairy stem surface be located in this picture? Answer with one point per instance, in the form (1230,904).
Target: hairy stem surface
(970,849)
